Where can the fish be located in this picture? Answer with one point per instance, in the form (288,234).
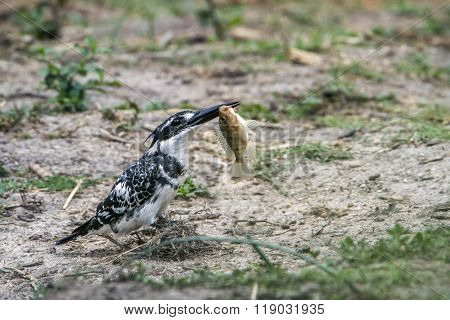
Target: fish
(234,134)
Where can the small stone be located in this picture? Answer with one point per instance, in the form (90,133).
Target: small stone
(374,177)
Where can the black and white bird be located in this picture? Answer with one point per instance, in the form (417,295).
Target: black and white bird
(142,193)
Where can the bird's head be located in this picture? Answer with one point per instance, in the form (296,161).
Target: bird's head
(175,128)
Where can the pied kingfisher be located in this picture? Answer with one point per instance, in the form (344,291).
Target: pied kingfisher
(143,191)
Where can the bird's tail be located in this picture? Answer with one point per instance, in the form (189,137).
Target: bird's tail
(78,232)
(240,170)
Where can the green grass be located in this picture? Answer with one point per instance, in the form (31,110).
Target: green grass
(256,111)
(191,189)
(45,26)
(436,27)
(417,64)
(404,265)
(52,184)
(385,32)
(272,166)
(4,172)
(11,118)
(324,37)
(406,8)
(338,95)
(343,122)
(434,113)
(431,122)
(306,107)
(360,71)
(422,132)
(156,105)
(66,78)
(317,152)
(160,105)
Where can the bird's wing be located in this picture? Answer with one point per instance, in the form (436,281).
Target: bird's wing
(131,190)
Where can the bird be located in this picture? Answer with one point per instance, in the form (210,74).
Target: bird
(143,191)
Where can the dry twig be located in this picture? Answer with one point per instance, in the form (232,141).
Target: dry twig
(41,172)
(72,194)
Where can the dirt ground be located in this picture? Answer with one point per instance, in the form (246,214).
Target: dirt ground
(319,204)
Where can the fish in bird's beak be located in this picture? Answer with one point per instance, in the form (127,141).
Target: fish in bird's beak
(208,114)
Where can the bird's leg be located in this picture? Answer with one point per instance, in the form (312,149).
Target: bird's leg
(139,239)
(116,242)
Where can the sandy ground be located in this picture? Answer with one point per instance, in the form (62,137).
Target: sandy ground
(321,204)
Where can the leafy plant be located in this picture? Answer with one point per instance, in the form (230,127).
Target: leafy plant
(156,105)
(45,17)
(407,8)
(56,182)
(395,267)
(273,166)
(64,78)
(256,111)
(191,189)
(434,113)
(10,118)
(344,122)
(318,152)
(417,64)
(221,19)
(4,172)
(359,70)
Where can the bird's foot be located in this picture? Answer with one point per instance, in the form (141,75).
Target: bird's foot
(139,239)
(121,245)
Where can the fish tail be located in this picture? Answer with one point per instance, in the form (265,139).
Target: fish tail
(240,170)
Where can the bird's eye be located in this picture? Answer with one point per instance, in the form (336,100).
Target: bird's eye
(176,121)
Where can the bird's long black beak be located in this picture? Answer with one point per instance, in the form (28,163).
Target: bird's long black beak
(208,114)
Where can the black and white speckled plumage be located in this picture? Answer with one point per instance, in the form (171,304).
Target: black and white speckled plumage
(144,190)
(137,186)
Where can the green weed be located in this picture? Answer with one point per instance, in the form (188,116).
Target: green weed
(384,32)
(402,243)
(272,166)
(4,172)
(11,118)
(360,71)
(53,183)
(8,185)
(306,107)
(220,18)
(436,27)
(64,77)
(417,64)
(269,168)
(323,38)
(191,189)
(256,111)
(343,122)
(317,152)
(404,265)
(434,113)
(422,132)
(46,25)
(156,105)
(109,114)
(407,8)
(337,95)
